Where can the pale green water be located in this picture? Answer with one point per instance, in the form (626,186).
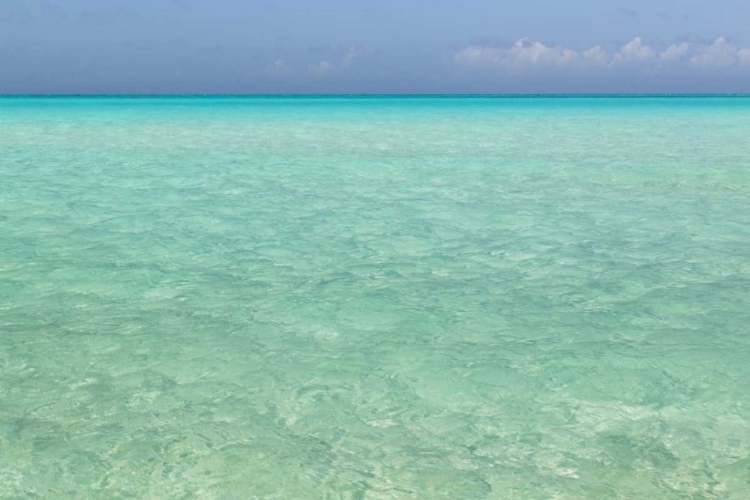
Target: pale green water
(375,298)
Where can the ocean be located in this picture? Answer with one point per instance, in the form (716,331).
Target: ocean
(523,298)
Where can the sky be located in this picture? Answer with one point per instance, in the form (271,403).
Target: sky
(368,46)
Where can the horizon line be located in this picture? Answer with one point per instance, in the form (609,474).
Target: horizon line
(386,95)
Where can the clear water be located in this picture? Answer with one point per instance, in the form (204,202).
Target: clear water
(375,298)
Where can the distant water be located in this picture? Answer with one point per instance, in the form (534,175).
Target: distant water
(375,298)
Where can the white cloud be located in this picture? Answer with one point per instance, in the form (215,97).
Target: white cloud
(596,55)
(279,68)
(719,54)
(524,50)
(280,65)
(522,54)
(634,50)
(349,56)
(675,51)
(526,54)
(471,55)
(339,59)
(321,69)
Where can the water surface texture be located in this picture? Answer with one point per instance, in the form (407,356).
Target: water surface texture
(375,298)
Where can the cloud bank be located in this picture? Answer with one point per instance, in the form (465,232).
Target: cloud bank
(526,55)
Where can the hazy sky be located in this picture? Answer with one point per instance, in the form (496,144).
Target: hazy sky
(366,46)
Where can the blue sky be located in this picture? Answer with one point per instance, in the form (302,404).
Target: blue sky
(264,46)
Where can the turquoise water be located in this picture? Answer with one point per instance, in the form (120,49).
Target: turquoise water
(375,298)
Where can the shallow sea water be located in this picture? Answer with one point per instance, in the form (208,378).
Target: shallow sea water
(375,298)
